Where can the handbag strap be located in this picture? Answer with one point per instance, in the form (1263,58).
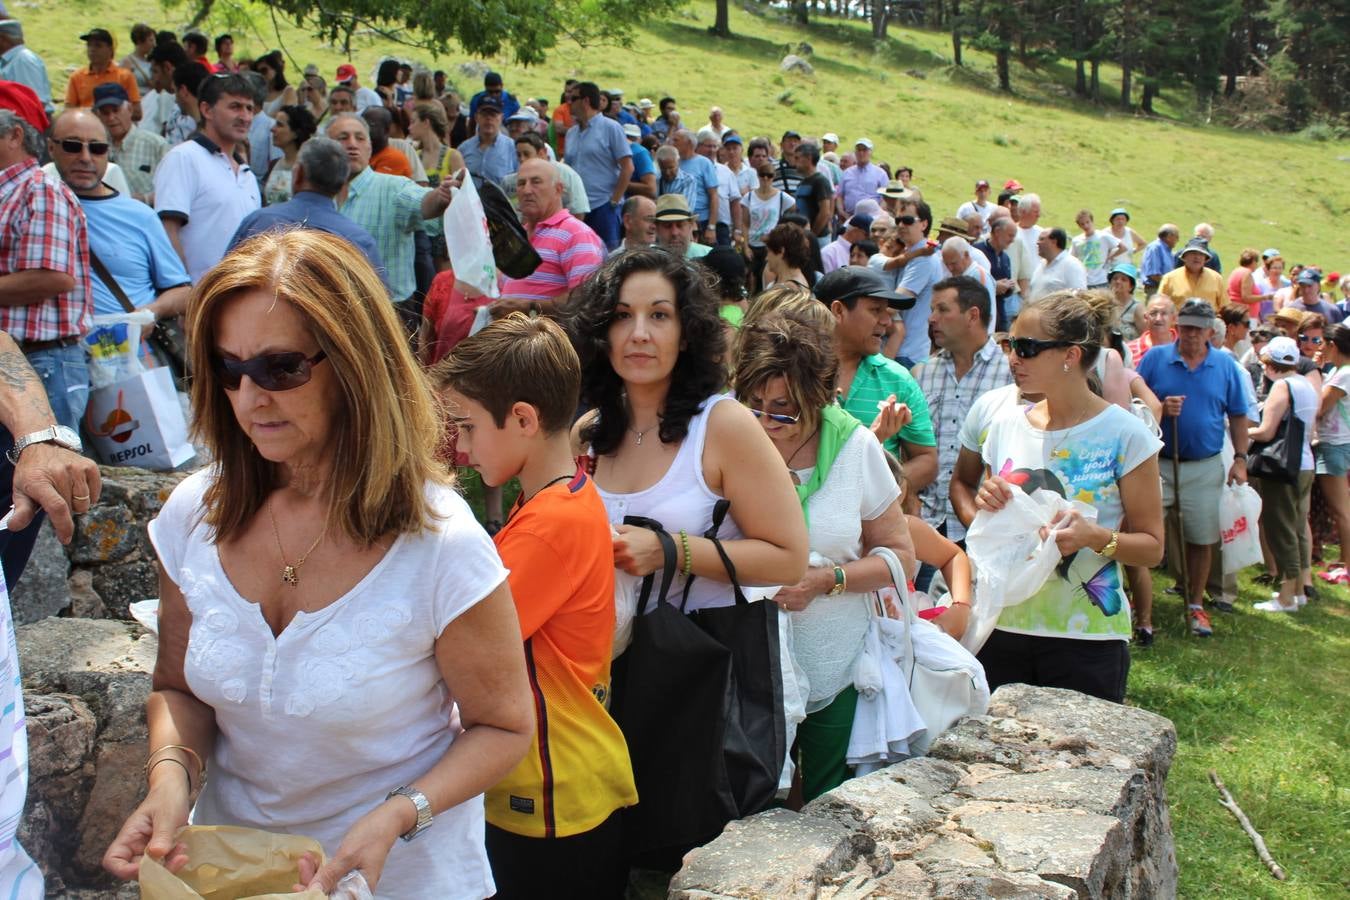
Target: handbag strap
(668,568)
(107,278)
(719,515)
(898,577)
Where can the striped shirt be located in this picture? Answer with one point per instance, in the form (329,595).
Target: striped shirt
(42,227)
(949,402)
(19,875)
(390,208)
(569,252)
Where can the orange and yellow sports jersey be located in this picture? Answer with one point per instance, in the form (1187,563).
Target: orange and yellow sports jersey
(577,772)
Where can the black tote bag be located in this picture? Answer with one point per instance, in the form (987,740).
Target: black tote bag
(699,698)
(1281,457)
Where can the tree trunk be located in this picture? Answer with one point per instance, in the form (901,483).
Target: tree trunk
(1095,82)
(722,26)
(1146,101)
(1004,79)
(956,31)
(880,19)
(799,10)
(1079,78)
(1125,73)
(1079,41)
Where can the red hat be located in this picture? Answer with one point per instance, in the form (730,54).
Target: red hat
(346,72)
(1012,184)
(1333,277)
(21,99)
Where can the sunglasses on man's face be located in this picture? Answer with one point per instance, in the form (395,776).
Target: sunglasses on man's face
(73,145)
(1030,348)
(779,418)
(907,220)
(271,371)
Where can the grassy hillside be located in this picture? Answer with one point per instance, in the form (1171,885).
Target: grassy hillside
(947,123)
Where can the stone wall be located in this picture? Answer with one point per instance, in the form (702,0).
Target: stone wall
(86,677)
(1051,795)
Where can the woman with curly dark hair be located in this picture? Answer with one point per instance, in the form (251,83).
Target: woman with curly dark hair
(272,67)
(665,442)
(662,442)
(788,255)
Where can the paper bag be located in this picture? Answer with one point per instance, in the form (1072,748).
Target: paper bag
(227,863)
(139,422)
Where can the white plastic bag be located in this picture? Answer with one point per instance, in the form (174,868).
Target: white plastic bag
(1010,558)
(468,241)
(113,347)
(1239,515)
(138,421)
(625,607)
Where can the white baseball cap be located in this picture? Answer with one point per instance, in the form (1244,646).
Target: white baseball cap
(863,142)
(830,136)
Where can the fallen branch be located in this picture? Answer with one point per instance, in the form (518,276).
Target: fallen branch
(1226,800)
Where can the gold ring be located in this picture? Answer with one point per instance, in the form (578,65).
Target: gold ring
(80,498)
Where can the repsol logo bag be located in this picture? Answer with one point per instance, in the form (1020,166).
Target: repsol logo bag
(138,421)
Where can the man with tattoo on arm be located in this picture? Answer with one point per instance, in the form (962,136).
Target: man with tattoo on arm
(43,473)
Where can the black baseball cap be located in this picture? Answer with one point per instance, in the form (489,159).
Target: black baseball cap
(849,282)
(489,102)
(97,34)
(109,94)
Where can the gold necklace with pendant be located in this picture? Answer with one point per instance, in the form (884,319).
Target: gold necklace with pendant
(290,574)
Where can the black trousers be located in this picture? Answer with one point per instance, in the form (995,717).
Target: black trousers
(1096,668)
(583,866)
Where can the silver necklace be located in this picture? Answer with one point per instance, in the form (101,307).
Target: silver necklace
(642,432)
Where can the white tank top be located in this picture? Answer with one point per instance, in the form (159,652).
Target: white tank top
(683,500)
(1305,407)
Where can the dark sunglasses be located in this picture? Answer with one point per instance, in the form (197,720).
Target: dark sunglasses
(780,418)
(907,220)
(1308,339)
(73,145)
(271,371)
(1030,348)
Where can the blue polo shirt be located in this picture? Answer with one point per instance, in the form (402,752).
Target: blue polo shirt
(642,161)
(1213,392)
(595,152)
(704,173)
(492,163)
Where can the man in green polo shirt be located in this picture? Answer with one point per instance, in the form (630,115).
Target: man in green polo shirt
(872,388)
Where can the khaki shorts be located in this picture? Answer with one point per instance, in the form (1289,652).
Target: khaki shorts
(1201,490)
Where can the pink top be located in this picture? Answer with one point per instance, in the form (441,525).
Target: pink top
(569,251)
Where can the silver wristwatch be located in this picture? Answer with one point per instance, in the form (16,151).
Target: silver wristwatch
(423,805)
(56,434)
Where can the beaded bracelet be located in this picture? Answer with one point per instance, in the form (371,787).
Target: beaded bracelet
(688,559)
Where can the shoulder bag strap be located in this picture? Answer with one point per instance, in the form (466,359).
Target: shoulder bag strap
(718,516)
(106,277)
(668,569)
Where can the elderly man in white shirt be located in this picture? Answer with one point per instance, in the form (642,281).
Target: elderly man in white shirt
(1059,270)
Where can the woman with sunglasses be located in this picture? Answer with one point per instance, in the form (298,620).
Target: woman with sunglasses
(785,373)
(322,585)
(1074,632)
(1284,507)
(766,204)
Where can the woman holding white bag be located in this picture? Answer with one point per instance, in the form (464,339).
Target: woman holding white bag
(785,372)
(1074,632)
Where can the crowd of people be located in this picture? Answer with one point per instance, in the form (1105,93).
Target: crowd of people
(740,361)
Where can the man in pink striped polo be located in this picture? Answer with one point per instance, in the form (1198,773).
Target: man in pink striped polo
(569,250)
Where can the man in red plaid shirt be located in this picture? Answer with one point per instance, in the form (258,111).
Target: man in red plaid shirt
(45,300)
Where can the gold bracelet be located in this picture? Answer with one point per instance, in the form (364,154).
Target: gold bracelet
(201,766)
(177,762)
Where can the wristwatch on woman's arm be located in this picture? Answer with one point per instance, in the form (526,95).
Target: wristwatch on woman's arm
(423,805)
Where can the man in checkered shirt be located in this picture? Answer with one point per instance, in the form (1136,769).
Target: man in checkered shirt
(45,299)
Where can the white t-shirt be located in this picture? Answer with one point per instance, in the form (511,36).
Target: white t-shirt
(1334,427)
(764,214)
(986,408)
(971,208)
(727,190)
(1093,252)
(827,635)
(317,724)
(1059,274)
(199,184)
(1023,254)
(1084,599)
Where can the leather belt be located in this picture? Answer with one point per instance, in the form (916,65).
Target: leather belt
(53,344)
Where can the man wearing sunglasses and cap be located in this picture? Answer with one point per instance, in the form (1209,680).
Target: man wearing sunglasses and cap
(1202,393)
(873,389)
(100,47)
(44,270)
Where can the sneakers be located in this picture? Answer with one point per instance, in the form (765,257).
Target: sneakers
(1143,638)
(1199,621)
(1274,605)
(1301,601)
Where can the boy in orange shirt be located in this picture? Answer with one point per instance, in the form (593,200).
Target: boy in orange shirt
(553,823)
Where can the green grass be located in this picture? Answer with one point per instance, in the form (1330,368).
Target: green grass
(1264,703)
(950,125)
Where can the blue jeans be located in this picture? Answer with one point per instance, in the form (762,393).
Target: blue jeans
(65,377)
(606,222)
